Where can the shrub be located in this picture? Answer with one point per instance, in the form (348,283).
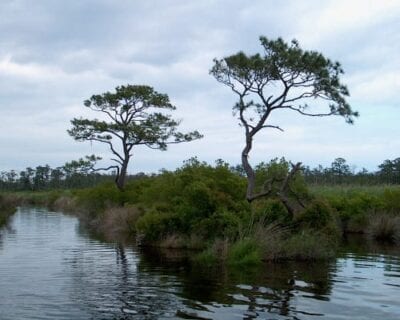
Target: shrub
(391,199)
(308,245)
(272,211)
(95,200)
(317,215)
(219,225)
(278,169)
(198,198)
(155,225)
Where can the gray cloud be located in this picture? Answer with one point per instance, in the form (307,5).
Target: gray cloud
(55,54)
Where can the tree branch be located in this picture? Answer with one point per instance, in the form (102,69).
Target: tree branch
(306,113)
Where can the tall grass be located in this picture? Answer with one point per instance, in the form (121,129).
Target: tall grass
(348,190)
(7,209)
(384,227)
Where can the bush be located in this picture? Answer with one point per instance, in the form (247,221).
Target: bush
(391,200)
(219,225)
(155,225)
(272,211)
(316,216)
(95,200)
(308,245)
(278,169)
(198,198)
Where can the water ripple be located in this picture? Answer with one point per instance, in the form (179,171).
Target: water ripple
(50,268)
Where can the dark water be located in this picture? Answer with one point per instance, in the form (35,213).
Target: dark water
(51,269)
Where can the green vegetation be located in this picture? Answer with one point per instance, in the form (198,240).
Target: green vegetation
(239,215)
(201,206)
(7,209)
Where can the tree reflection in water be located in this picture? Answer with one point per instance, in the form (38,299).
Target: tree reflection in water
(270,288)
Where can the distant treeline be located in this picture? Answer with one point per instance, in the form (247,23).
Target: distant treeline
(342,173)
(80,174)
(72,175)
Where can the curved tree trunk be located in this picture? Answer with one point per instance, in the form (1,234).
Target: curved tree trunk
(121,175)
(248,169)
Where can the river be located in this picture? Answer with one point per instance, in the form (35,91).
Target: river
(51,268)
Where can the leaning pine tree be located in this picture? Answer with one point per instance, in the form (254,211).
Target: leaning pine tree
(283,77)
(134,117)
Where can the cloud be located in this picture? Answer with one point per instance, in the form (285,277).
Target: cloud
(54,54)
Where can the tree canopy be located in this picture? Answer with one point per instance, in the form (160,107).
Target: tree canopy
(134,117)
(283,77)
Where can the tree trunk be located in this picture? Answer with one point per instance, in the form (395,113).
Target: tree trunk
(121,176)
(251,179)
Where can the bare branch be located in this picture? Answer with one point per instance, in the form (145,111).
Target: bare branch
(274,127)
(308,114)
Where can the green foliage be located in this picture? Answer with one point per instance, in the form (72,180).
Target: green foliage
(316,216)
(245,252)
(96,200)
(155,225)
(308,74)
(271,211)
(274,173)
(218,225)
(206,257)
(201,199)
(391,199)
(308,245)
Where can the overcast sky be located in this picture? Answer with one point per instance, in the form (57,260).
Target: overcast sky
(55,54)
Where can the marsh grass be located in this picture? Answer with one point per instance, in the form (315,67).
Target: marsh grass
(7,209)
(384,227)
(348,190)
(118,222)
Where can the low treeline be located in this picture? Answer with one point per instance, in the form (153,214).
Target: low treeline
(80,174)
(201,206)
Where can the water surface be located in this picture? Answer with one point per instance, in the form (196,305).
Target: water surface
(50,268)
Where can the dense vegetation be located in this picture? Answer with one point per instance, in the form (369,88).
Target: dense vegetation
(7,208)
(240,214)
(78,174)
(202,206)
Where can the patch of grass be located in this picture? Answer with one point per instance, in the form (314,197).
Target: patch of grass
(270,238)
(7,209)
(207,258)
(118,222)
(349,190)
(384,227)
(245,252)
